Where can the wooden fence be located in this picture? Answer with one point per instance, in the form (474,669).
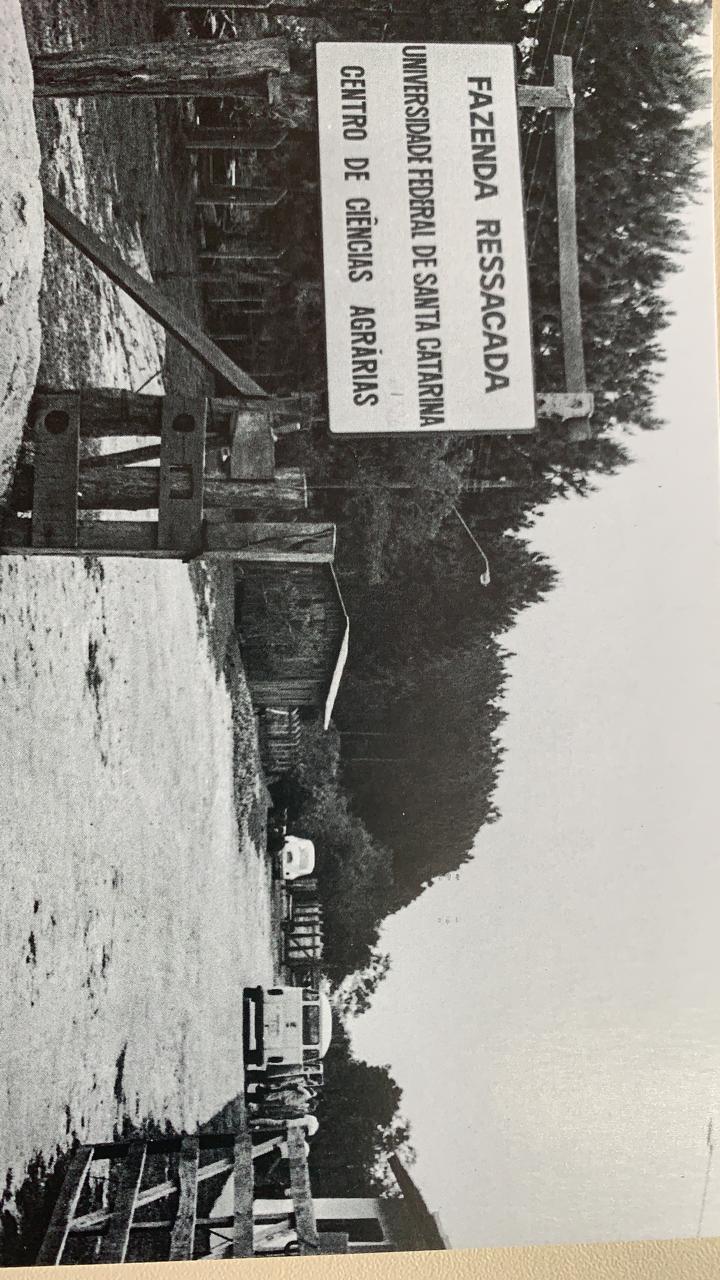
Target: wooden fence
(117,1230)
(279,738)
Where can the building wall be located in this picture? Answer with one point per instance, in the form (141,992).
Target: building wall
(290,626)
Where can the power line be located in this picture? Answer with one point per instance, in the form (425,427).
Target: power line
(535,43)
(546,115)
(577,59)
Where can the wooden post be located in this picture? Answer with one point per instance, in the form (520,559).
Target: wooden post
(271,543)
(147,295)
(114,1242)
(56,433)
(51,1249)
(198,68)
(301,1193)
(183,1233)
(240,197)
(567,234)
(243,1197)
(182,455)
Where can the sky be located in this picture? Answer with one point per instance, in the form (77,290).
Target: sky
(552,1010)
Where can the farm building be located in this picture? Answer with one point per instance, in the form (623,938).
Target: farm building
(293,632)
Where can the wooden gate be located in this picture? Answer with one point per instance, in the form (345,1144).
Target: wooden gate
(199,514)
(142,1207)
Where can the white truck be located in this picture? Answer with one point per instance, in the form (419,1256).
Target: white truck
(296,858)
(285,1025)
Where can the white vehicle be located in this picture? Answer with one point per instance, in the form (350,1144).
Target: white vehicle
(285,1025)
(297,858)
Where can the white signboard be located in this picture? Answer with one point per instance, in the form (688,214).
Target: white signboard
(426,291)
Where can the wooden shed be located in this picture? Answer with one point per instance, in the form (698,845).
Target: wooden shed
(293,631)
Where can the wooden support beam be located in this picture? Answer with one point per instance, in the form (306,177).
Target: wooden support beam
(120,458)
(224,139)
(240,197)
(549,97)
(244,1182)
(56,437)
(51,1249)
(115,1239)
(235,250)
(301,1193)
(252,448)
(271,543)
(109,411)
(138,489)
(182,1238)
(566,405)
(570,312)
(147,295)
(182,456)
(167,69)
(94,537)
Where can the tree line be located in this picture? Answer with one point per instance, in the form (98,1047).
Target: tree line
(397,792)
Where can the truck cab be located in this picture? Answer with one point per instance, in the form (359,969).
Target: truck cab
(285,1025)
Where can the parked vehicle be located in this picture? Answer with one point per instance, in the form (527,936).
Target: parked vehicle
(285,1025)
(296,858)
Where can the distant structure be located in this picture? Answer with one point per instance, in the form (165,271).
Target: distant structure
(293,631)
(383,1224)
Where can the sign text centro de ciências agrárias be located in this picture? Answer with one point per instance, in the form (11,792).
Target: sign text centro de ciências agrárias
(425,258)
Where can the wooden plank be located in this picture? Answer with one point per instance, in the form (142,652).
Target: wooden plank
(240,197)
(99,537)
(301,1193)
(243,1197)
(182,456)
(252,448)
(147,295)
(51,1249)
(114,1242)
(232,250)
(56,435)
(552,97)
(182,1239)
(564,404)
(138,489)
(224,139)
(167,69)
(90,1223)
(271,543)
(287,489)
(333,1242)
(120,457)
(570,313)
